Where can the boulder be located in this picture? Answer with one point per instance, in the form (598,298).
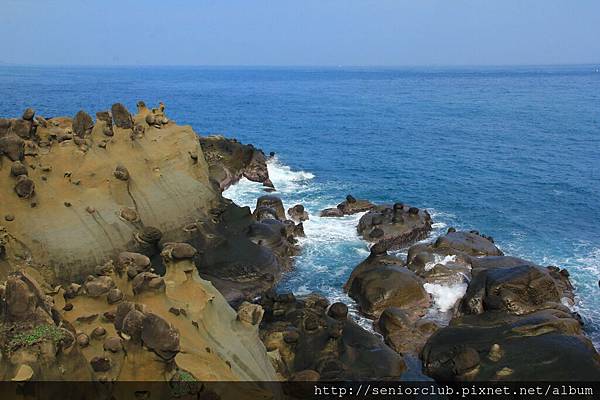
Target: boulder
(395,226)
(18,168)
(82,124)
(13,147)
(298,213)
(24,187)
(499,346)
(121,116)
(469,243)
(402,332)
(28,114)
(160,336)
(272,202)
(307,338)
(22,128)
(98,286)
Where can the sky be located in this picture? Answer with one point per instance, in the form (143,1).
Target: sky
(300,32)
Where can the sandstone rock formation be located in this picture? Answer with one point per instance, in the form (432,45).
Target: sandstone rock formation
(348,207)
(308,339)
(396,226)
(229,161)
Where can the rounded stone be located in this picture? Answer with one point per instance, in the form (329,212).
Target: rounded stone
(338,311)
(18,168)
(113,344)
(291,337)
(9,217)
(114,296)
(129,214)
(100,364)
(83,340)
(28,114)
(98,332)
(150,234)
(376,233)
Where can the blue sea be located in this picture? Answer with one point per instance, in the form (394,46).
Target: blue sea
(513,152)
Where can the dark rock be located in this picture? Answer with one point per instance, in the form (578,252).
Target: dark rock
(98,332)
(507,347)
(114,296)
(21,128)
(12,146)
(100,364)
(18,168)
(28,114)
(160,336)
(113,344)
(298,213)
(121,116)
(179,251)
(9,217)
(272,202)
(150,234)
(132,325)
(468,243)
(332,212)
(83,340)
(98,286)
(121,173)
(24,187)
(147,281)
(82,124)
(338,311)
(350,199)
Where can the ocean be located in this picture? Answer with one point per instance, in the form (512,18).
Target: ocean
(513,152)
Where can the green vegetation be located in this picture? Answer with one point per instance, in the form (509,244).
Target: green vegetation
(185,376)
(35,335)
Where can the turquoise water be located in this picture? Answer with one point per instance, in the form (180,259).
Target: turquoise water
(511,152)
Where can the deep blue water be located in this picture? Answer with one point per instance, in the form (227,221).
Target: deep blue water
(511,152)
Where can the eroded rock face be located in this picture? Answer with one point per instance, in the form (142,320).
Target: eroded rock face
(12,147)
(511,326)
(273,203)
(307,338)
(82,124)
(348,207)
(395,226)
(230,160)
(298,213)
(121,116)
(502,346)
(382,281)
(403,332)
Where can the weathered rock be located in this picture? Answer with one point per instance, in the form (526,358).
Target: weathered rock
(129,214)
(298,213)
(160,336)
(12,146)
(147,281)
(469,243)
(274,203)
(82,124)
(20,299)
(402,332)
(100,364)
(98,332)
(308,339)
(547,343)
(83,340)
(378,283)
(22,128)
(150,234)
(121,116)
(250,313)
(121,173)
(98,286)
(24,373)
(114,296)
(24,187)
(113,344)
(332,212)
(18,168)
(28,114)
(395,226)
(229,161)
(179,251)
(338,311)
(515,289)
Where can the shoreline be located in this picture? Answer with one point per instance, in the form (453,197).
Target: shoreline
(175,263)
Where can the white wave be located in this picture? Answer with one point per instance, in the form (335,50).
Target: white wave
(439,259)
(445,297)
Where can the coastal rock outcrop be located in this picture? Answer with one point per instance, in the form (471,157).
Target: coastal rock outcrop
(395,226)
(307,338)
(511,324)
(348,207)
(229,161)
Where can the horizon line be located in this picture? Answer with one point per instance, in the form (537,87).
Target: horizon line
(332,66)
